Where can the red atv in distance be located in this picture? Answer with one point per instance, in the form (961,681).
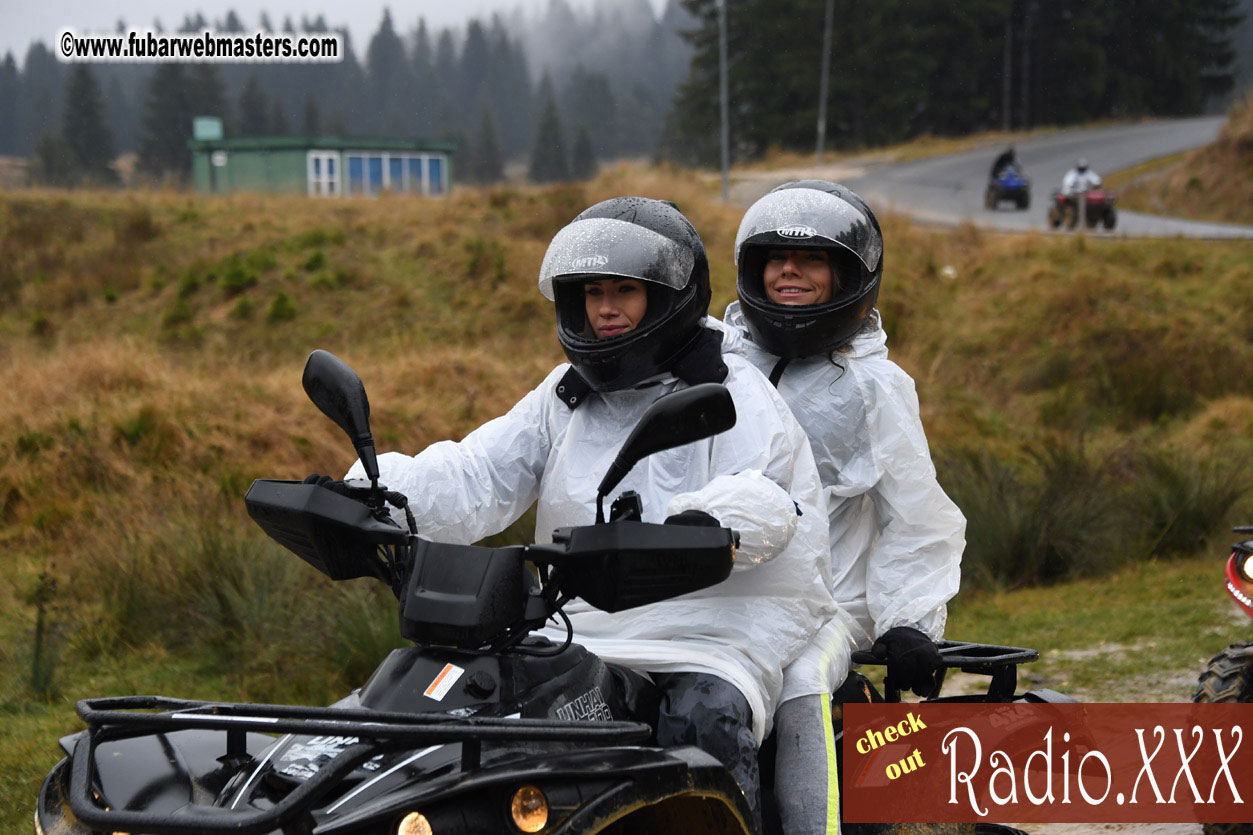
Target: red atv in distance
(1094,206)
(1228,676)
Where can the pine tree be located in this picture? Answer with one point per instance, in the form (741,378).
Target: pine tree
(475,68)
(425,90)
(166,124)
(278,119)
(121,96)
(488,165)
(589,100)
(55,163)
(512,96)
(310,123)
(206,94)
(548,153)
(39,96)
(253,116)
(389,80)
(583,165)
(9,81)
(83,128)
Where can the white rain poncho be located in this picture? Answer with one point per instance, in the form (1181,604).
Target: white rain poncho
(895,538)
(1076,181)
(758,478)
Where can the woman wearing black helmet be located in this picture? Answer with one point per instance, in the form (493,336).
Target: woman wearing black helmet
(719,652)
(810,258)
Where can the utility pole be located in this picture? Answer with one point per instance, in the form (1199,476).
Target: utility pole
(722,90)
(827,25)
(1007,70)
(1024,75)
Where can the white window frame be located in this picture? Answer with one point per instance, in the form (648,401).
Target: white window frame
(319,184)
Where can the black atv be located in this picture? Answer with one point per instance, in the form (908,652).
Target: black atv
(482,726)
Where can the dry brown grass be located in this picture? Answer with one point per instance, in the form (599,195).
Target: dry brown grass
(140,360)
(1211,183)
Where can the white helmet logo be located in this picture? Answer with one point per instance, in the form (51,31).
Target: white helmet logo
(590,262)
(797,232)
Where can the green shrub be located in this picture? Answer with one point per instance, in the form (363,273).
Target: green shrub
(1047,516)
(242,309)
(141,425)
(1181,501)
(176,314)
(318,237)
(260,260)
(316,261)
(362,634)
(281,309)
(188,284)
(135,226)
(41,325)
(31,443)
(46,641)
(485,259)
(237,277)
(250,610)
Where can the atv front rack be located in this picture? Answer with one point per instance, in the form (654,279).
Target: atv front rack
(999,663)
(125,717)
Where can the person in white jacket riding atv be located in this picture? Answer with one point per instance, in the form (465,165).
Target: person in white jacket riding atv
(630,281)
(1079,179)
(810,259)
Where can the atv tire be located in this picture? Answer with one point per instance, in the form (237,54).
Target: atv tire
(1227,678)
(1110,218)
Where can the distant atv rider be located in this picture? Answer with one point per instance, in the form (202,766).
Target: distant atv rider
(630,281)
(1004,162)
(1080,178)
(810,258)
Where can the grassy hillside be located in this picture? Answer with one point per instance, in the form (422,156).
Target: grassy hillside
(1209,183)
(1089,405)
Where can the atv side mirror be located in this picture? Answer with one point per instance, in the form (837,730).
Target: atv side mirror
(339,393)
(678,418)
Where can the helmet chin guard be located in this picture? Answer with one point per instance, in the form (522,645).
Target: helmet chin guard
(628,237)
(809,214)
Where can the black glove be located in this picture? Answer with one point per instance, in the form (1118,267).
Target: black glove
(329,483)
(911,656)
(694,518)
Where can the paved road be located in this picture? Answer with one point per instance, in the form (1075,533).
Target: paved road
(949,189)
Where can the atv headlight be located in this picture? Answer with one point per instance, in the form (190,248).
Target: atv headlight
(1244,567)
(529,809)
(414,823)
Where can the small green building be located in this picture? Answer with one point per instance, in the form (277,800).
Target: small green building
(320,166)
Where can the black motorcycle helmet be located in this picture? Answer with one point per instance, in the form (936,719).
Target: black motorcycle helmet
(628,237)
(809,214)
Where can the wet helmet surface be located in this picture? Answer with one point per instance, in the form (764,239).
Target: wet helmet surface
(809,214)
(628,237)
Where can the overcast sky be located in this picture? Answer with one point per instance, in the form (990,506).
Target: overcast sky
(25,21)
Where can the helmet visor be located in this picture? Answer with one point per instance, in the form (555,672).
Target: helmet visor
(610,247)
(803,217)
